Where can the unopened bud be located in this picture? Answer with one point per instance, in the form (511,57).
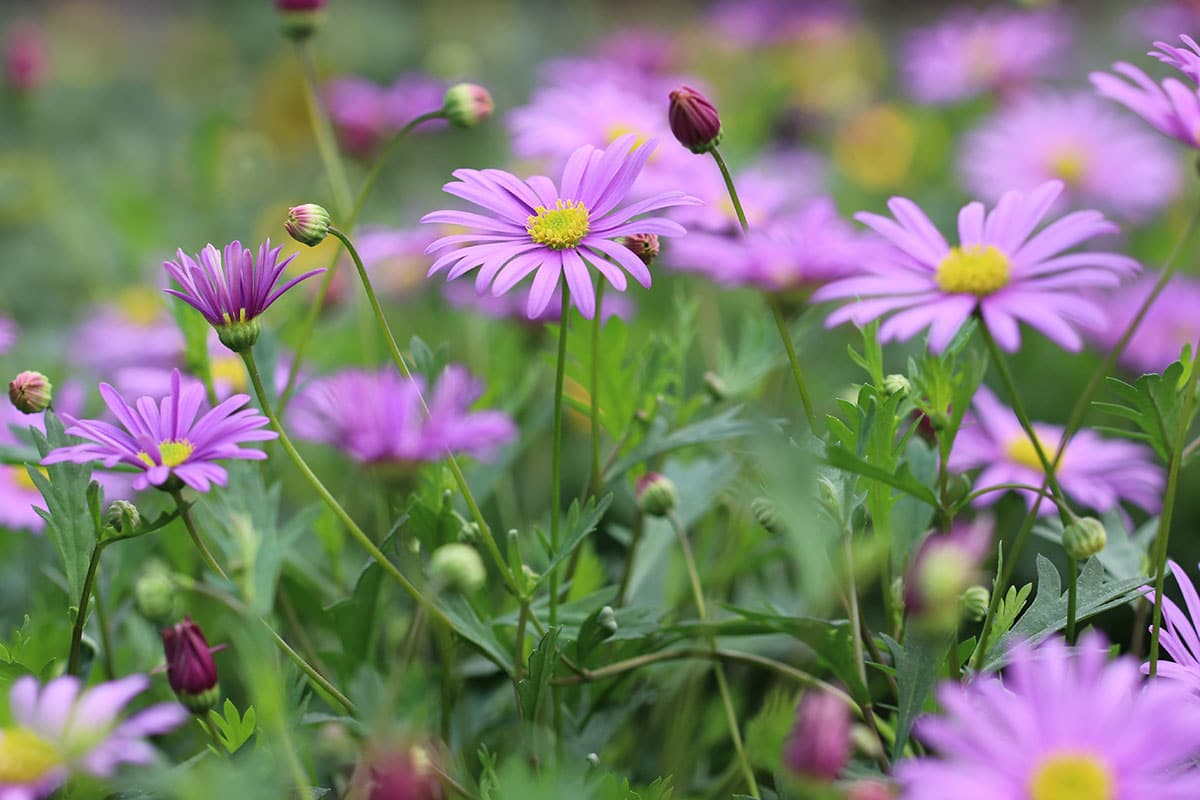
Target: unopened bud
(1084,538)
(458,567)
(644,245)
(300,18)
(694,120)
(467,104)
(767,515)
(608,620)
(122,516)
(25,58)
(656,495)
(239,336)
(897,384)
(190,667)
(974,602)
(819,745)
(308,224)
(30,392)
(155,594)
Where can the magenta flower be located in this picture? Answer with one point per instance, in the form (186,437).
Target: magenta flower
(1063,724)
(751,23)
(797,253)
(135,327)
(376,417)
(1000,269)
(1172,107)
(1095,472)
(1169,324)
(167,440)
(57,731)
(365,113)
(969,53)
(533,225)
(1104,159)
(1179,635)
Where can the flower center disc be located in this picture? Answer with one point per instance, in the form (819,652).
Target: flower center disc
(976,270)
(1072,777)
(561,227)
(25,757)
(1069,165)
(21,479)
(1022,451)
(229,370)
(173,452)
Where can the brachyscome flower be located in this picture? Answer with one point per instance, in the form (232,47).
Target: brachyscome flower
(1172,106)
(1179,636)
(1063,724)
(1000,269)
(532,226)
(57,731)
(1094,472)
(1169,324)
(232,292)
(165,439)
(376,417)
(1104,159)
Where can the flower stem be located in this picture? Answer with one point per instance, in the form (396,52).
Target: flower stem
(85,596)
(206,721)
(382,159)
(327,497)
(718,669)
(335,170)
(1072,597)
(597,326)
(106,648)
(776,311)
(402,364)
(556,474)
(635,537)
(205,553)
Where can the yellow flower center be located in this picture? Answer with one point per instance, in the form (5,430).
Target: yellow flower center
(1069,165)
(21,479)
(561,227)
(173,452)
(975,269)
(25,757)
(1072,777)
(141,305)
(228,370)
(1021,450)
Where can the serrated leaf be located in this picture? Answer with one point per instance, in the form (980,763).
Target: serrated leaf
(541,668)
(467,624)
(902,479)
(1152,404)
(917,662)
(578,524)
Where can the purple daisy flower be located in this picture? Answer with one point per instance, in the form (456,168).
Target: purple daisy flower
(512,306)
(998,50)
(1160,20)
(1063,724)
(1105,159)
(1168,325)
(1000,270)
(376,417)
(751,23)
(1172,107)
(1179,635)
(364,113)
(232,293)
(57,730)
(166,440)
(1095,472)
(533,225)
(798,253)
(134,328)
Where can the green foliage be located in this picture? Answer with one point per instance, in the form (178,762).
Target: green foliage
(532,690)
(918,662)
(233,728)
(1153,404)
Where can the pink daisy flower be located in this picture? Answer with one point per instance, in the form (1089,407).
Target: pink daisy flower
(1000,269)
(1172,107)
(556,231)
(1094,472)
(1169,324)
(1179,636)
(1105,159)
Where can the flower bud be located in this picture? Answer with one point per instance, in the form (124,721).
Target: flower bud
(644,245)
(307,224)
(819,745)
(608,620)
(1084,538)
(155,594)
(765,514)
(694,120)
(300,19)
(190,667)
(897,384)
(656,495)
(870,790)
(715,387)
(974,603)
(122,516)
(396,772)
(25,58)
(239,336)
(941,571)
(467,104)
(30,392)
(458,567)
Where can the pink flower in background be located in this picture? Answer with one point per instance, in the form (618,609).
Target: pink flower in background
(1169,324)
(366,113)
(1180,636)
(26,61)
(996,50)
(1171,106)
(134,328)
(1104,159)
(771,188)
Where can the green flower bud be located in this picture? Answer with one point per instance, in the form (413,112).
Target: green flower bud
(458,566)
(30,392)
(608,620)
(155,594)
(974,602)
(656,495)
(897,384)
(715,387)
(122,516)
(467,104)
(239,336)
(308,224)
(1084,538)
(767,515)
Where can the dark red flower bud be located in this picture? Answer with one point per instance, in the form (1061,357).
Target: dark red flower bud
(25,61)
(694,120)
(644,245)
(819,745)
(301,18)
(397,772)
(190,667)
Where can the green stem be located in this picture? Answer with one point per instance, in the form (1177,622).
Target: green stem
(85,596)
(855,615)
(597,326)
(731,189)
(205,553)
(106,651)
(556,477)
(377,167)
(460,479)
(718,669)
(1072,598)
(206,721)
(331,158)
(327,497)
(635,536)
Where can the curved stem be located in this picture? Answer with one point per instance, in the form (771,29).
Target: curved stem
(381,161)
(205,553)
(635,536)
(85,596)
(106,648)
(855,615)
(718,669)
(460,479)
(335,170)
(731,189)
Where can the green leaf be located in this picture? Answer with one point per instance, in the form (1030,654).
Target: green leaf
(468,625)
(719,427)
(234,729)
(577,525)
(917,664)
(541,669)
(902,479)
(1152,404)
(68,519)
